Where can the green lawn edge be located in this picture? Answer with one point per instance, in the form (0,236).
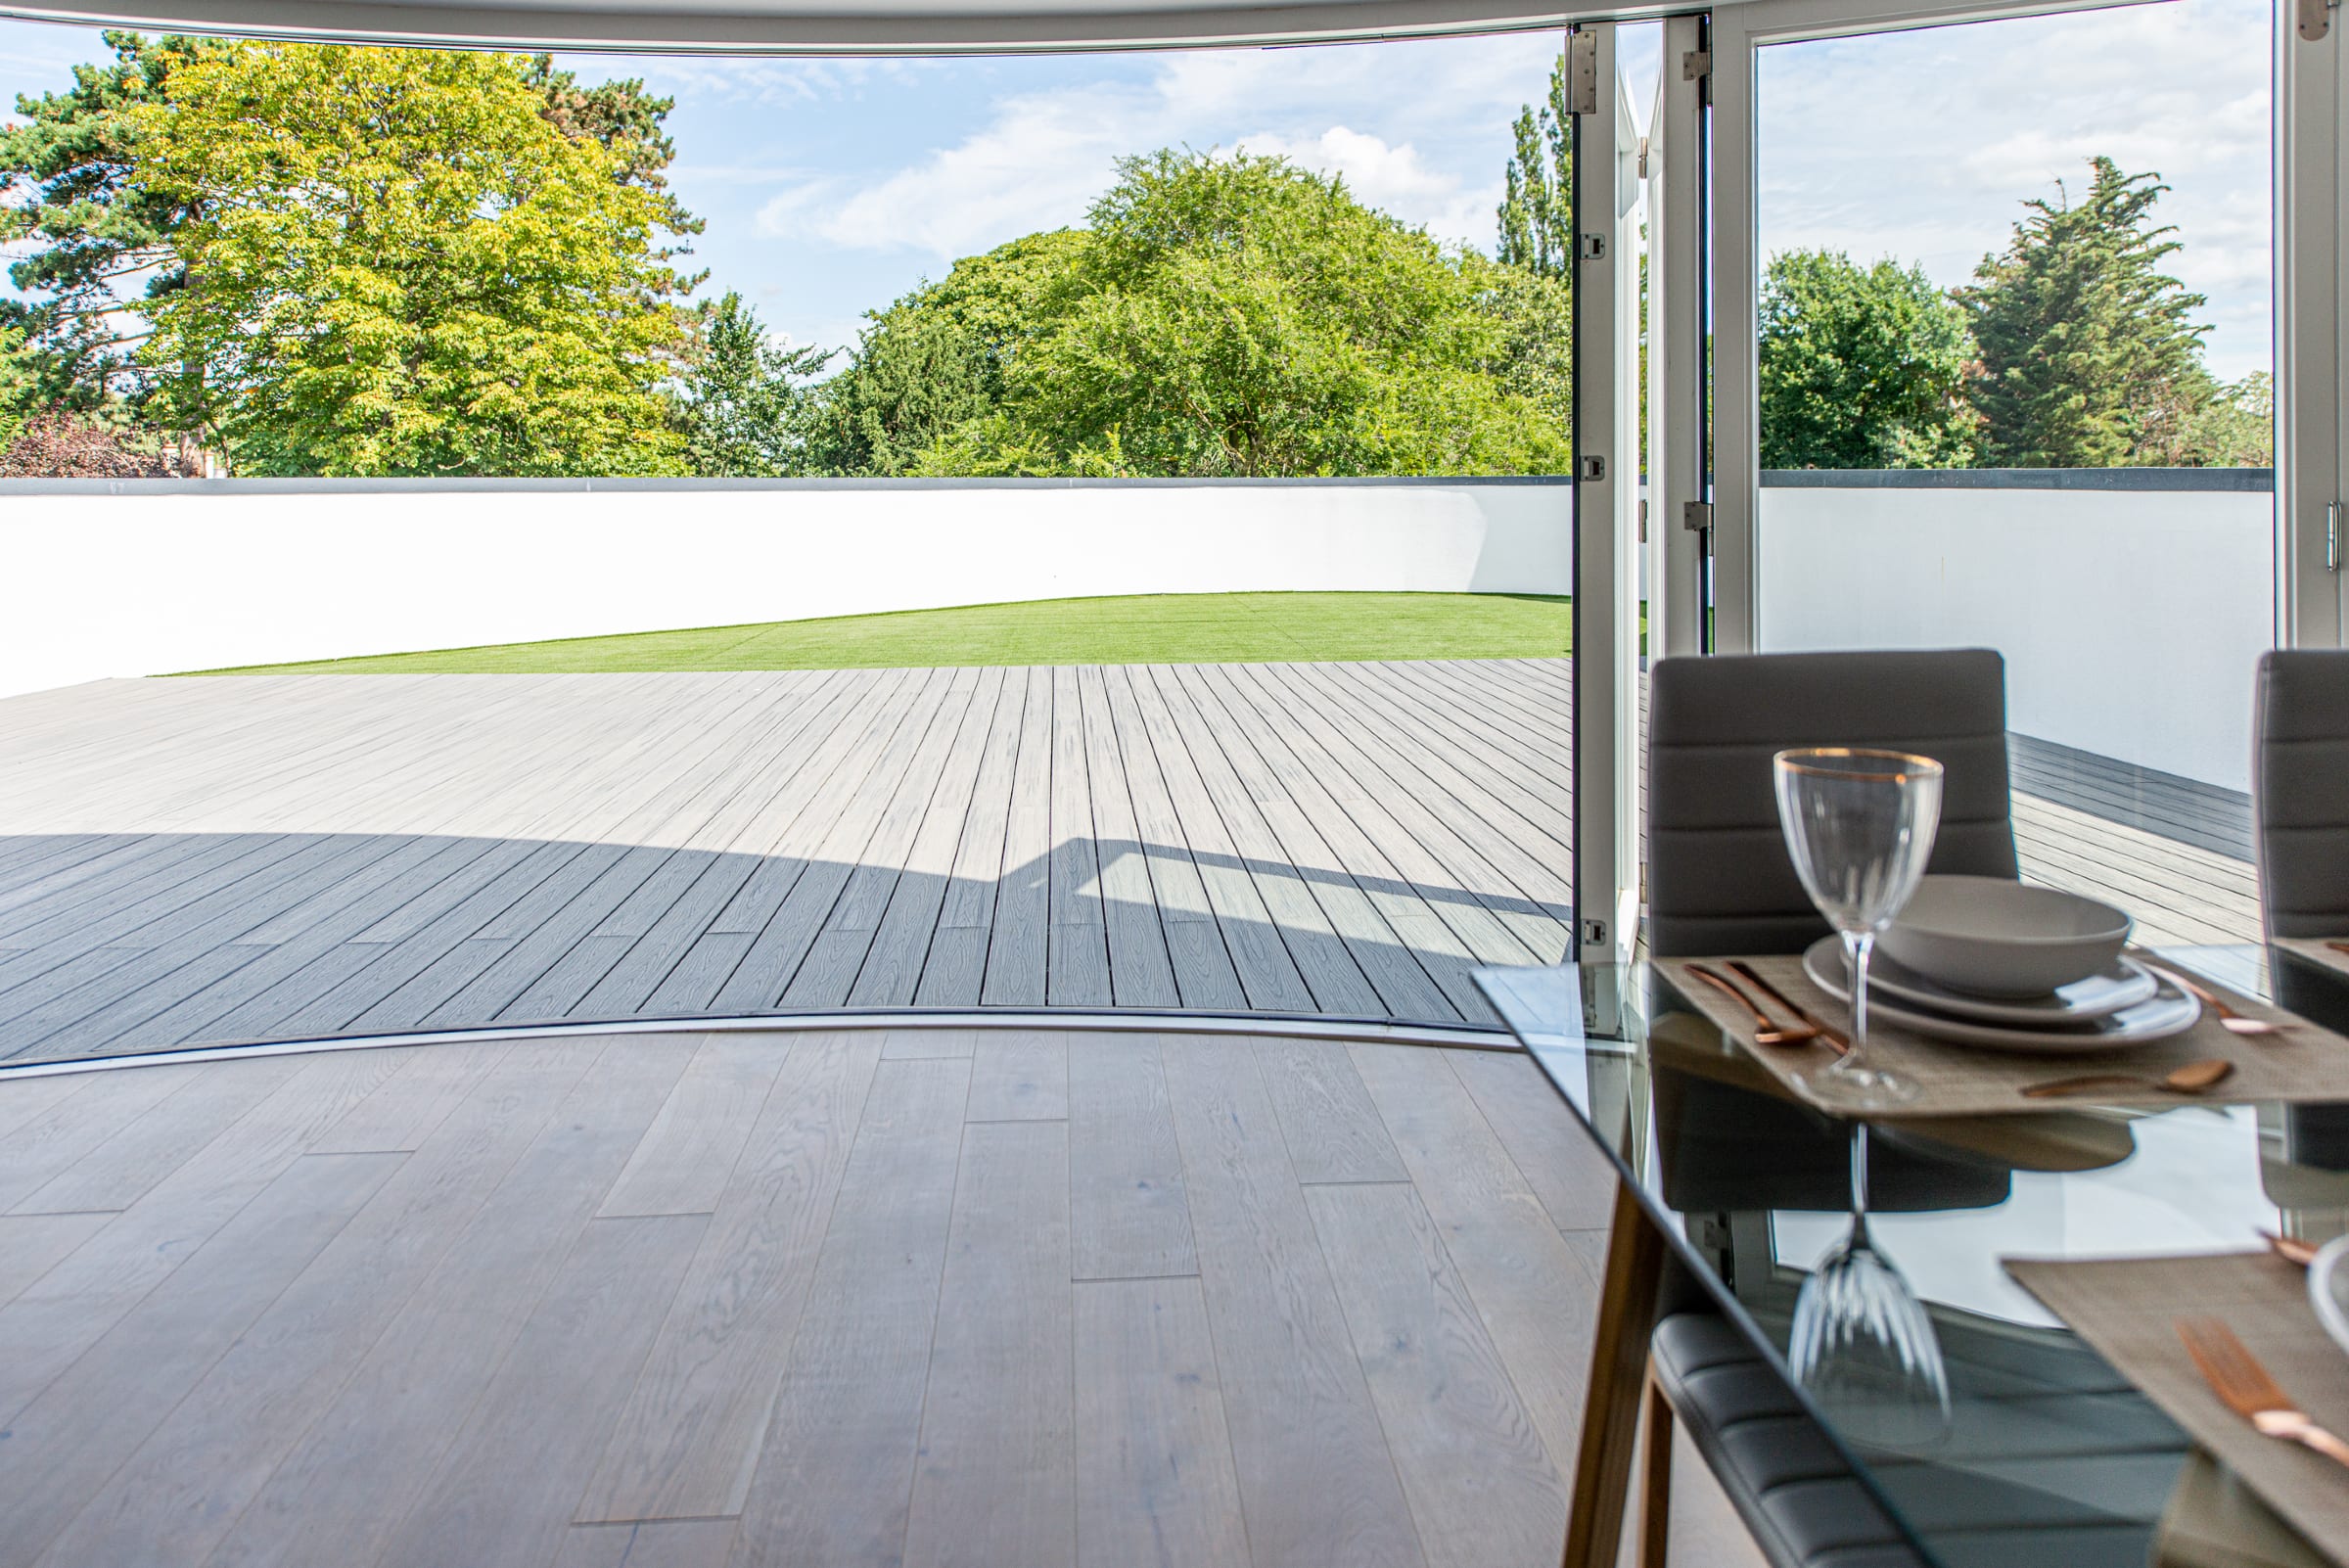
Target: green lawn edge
(1137,628)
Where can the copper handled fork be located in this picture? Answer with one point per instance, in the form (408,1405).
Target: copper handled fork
(2228,1019)
(2245,1387)
(1768,1030)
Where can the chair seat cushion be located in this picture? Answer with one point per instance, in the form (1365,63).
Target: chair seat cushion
(1788,1483)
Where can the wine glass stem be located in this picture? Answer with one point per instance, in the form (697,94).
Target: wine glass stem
(1858,947)
(1860,1180)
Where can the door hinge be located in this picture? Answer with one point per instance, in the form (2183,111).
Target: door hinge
(1594,248)
(1582,73)
(1642,170)
(1696,66)
(1591,468)
(2332,535)
(1642,522)
(1696,516)
(2315,18)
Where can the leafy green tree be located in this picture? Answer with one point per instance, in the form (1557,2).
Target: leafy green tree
(100,237)
(743,399)
(1242,316)
(1861,367)
(395,263)
(1536,209)
(2086,346)
(936,359)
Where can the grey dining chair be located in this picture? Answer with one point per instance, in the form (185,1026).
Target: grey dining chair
(2300,832)
(2300,791)
(1719,881)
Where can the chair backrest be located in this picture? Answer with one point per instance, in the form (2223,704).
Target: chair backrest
(2300,791)
(1718,878)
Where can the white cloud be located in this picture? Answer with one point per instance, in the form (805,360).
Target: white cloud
(1924,144)
(1394,179)
(1368,113)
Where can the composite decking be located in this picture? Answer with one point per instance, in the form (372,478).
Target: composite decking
(232,859)
(247,858)
(1010,1298)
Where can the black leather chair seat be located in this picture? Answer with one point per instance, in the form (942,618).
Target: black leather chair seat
(1793,1490)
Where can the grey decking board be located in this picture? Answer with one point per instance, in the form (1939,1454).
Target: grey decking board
(466,850)
(189,857)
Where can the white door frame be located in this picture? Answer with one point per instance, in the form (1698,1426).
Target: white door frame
(1738,30)
(2312,326)
(1606,496)
(1677,480)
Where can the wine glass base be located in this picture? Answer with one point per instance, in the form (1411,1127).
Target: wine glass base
(1861,1089)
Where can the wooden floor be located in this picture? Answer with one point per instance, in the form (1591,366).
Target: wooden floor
(241,859)
(198,862)
(982,1297)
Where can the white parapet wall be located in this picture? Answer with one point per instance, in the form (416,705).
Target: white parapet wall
(157,577)
(2130,606)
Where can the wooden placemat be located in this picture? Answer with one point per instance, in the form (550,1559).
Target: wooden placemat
(2126,1310)
(2319,951)
(2307,1063)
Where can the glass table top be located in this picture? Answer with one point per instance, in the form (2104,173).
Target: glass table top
(2046,1456)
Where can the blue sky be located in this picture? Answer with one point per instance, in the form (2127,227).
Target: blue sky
(830,187)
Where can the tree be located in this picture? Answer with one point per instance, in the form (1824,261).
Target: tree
(2087,347)
(74,446)
(1536,209)
(103,240)
(743,401)
(1861,367)
(936,358)
(1243,316)
(395,263)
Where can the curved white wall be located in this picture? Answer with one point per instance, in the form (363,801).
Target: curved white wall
(2131,618)
(136,580)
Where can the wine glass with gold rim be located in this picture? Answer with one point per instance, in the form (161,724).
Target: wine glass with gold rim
(1860,826)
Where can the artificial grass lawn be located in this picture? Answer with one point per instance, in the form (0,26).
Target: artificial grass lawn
(1181,629)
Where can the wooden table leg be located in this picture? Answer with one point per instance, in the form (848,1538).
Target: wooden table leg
(1626,1320)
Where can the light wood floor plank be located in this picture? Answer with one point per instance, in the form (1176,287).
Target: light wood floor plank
(352,1471)
(1479,1482)
(996,1481)
(1535,1297)
(1019,1075)
(1318,1484)
(1155,1482)
(33,1244)
(603,1308)
(1128,1218)
(834,1478)
(688,1438)
(685,1160)
(56,1318)
(65,1443)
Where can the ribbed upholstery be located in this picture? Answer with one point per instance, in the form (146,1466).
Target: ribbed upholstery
(2300,791)
(1795,1494)
(1719,879)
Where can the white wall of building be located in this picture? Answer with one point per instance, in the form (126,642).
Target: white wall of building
(157,579)
(2131,620)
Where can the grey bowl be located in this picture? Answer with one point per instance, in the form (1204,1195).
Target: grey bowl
(1995,938)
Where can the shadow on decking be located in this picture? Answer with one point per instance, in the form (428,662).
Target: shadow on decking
(127,943)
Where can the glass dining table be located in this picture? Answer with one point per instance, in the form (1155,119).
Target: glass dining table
(1731,1193)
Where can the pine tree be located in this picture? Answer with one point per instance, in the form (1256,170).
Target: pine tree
(1537,212)
(2088,351)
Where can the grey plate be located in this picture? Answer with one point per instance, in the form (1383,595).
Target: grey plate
(2126,983)
(2168,1011)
